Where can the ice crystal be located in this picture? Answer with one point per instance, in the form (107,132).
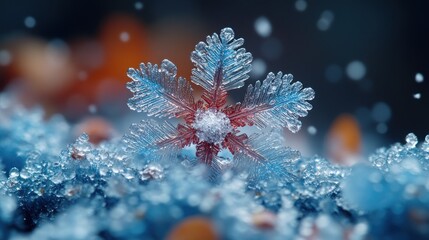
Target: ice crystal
(394,196)
(26,131)
(220,66)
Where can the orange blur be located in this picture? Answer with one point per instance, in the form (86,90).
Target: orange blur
(194,228)
(344,140)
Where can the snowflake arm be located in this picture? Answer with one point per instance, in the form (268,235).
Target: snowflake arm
(185,136)
(148,135)
(158,92)
(238,144)
(280,158)
(220,66)
(276,102)
(206,152)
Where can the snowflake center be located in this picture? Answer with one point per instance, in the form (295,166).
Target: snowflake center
(212,126)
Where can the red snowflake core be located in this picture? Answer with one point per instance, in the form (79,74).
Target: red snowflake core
(211,126)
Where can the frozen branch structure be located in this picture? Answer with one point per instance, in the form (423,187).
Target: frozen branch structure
(149,185)
(221,65)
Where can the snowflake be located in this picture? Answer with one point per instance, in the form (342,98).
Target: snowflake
(220,66)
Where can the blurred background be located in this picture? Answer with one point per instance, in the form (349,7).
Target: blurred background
(368,61)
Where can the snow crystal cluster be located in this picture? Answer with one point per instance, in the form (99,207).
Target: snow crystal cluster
(162,181)
(211,125)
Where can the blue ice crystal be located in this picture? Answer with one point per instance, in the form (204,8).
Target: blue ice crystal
(221,65)
(392,191)
(55,187)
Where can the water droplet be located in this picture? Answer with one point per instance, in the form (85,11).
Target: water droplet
(411,140)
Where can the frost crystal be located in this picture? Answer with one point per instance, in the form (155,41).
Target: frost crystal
(220,65)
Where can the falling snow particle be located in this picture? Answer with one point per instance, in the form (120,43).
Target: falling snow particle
(356,70)
(301,5)
(30,22)
(259,67)
(263,26)
(417,96)
(381,128)
(419,77)
(138,5)
(381,112)
(5,58)
(325,20)
(312,130)
(124,36)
